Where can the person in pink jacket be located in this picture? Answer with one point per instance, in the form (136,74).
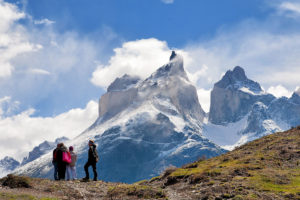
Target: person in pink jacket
(71,168)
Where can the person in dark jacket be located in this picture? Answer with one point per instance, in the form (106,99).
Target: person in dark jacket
(54,162)
(92,161)
(61,165)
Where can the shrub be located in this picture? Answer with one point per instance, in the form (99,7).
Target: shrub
(13,181)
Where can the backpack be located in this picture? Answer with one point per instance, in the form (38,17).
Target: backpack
(66,157)
(95,154)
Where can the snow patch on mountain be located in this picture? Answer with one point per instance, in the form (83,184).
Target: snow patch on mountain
(7,165)
(143,127)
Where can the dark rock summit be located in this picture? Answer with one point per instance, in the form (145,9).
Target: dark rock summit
(233,97)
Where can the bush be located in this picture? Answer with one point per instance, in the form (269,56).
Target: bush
(13,181)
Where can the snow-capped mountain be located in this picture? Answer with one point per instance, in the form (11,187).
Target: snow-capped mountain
(42,149)
(7,165)
(241,111)
(143,127)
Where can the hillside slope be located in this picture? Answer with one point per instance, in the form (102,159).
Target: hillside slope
(267,168)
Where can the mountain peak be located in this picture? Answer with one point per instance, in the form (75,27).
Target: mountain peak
(237,79)
(173,55)
(174,67)
(239,73)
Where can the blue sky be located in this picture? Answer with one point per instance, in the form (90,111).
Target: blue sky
(177,23)
(57,57)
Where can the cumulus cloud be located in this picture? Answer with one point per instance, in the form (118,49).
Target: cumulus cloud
(140,58)
(20,133)
(168,1)
(204,99)
(279,91)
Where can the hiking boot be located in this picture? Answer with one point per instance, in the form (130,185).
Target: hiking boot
(95,179)
(85,179)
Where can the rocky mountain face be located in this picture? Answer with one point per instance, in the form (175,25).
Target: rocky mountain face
(8,164)
(234,96)
(143,127)
(241,107)
(42,149)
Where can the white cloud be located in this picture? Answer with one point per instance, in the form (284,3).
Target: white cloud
(267,57)
(39,71)
(13,38)
(204,99)
(140,58)
(168,1)
(7,106)
(279,91)
(289,8)
(44,21)
(20,133)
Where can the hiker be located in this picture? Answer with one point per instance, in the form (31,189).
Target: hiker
(71,167)
(92,161)
(54,162)
(61,164)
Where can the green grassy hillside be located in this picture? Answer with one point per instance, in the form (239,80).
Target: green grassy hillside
(267,168)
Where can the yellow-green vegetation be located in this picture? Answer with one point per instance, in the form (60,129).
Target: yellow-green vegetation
(9,196)
(136,190)
(269,166)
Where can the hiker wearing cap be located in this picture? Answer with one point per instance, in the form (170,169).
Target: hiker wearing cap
(71,167)
(92,161)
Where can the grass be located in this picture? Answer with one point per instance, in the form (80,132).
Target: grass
(139,191)
(8,196)
(267,182)
(267,166)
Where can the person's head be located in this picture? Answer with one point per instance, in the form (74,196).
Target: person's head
(62,144)
(91,142)
(71,148)
(58,145)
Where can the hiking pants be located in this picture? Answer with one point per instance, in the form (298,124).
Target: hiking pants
(86,169)
(71,172)
(61,170)
(55,170)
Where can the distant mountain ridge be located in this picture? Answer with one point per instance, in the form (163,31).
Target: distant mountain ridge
(147,125)
(9,164)
(242,111)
